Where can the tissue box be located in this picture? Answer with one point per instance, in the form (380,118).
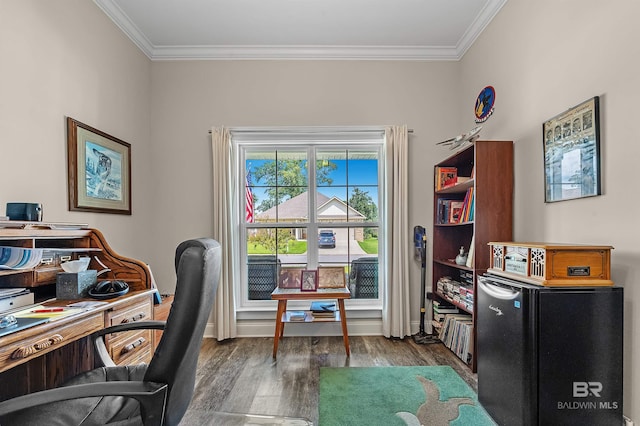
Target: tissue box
(75,285)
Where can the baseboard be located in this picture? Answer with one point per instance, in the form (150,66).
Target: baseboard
(262,328)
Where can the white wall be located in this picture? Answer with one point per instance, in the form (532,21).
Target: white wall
(542,58)
(190,97)
(66,58)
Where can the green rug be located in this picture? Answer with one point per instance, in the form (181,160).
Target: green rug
(403,396)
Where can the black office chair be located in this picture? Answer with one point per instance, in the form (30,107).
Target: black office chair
(154,394)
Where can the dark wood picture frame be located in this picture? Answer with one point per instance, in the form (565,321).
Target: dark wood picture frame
(98,170)
(309,280)
(289,277)
(572,161)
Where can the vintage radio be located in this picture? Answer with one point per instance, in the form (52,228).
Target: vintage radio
(548,264)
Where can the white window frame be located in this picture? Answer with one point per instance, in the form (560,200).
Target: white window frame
(280,139)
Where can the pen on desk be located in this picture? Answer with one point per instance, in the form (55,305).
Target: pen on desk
(41,311)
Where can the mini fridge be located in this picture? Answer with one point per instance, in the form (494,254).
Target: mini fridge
(549,355)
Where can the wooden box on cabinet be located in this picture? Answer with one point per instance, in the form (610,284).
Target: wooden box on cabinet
(552,265)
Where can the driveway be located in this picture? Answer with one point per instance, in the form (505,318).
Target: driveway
(343,244)
(339,254)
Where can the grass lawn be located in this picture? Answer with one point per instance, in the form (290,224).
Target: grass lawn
(295,247)
(370,246)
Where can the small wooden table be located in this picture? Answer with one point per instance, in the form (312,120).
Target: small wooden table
(282,295)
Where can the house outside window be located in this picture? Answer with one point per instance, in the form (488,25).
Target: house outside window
(307,203)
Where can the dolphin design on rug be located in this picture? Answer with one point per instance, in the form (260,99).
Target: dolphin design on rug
(434,412)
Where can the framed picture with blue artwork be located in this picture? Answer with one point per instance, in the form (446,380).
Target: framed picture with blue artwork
(99,170)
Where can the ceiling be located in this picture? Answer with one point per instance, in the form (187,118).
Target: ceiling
(302,29)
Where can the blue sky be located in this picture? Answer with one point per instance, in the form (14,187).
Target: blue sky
(363,174)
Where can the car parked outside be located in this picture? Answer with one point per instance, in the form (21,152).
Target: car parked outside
(326,239)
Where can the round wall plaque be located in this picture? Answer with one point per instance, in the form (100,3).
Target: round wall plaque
(485,103)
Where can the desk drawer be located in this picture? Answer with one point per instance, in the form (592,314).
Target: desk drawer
(48,339)
(131,347)
(139,312)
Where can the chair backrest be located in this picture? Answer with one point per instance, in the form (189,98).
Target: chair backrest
(364,274)
(262,276)
(175,360)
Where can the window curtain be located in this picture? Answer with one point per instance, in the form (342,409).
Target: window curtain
(224,189)
(396,318)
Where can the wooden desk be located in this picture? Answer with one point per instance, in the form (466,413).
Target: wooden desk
(48,354)
(22,346)
(283,295)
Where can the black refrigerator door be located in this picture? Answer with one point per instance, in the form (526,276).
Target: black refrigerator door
(505,344)
(580,358)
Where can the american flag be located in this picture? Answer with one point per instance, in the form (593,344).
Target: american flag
(248,199)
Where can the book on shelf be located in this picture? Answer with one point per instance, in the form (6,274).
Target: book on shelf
(467,206)
(445,177)
(437,325)
(457,334)
(470,254)
(449,211)
(323,309)
(455,211)
(296,315)
(444,307)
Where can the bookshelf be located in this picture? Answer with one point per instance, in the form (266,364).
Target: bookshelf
(484,185)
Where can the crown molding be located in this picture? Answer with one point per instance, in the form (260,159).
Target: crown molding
(384,53)
(478,26)
(293,52)
(122,21)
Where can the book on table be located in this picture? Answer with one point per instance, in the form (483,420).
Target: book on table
(297,315)
(323,309)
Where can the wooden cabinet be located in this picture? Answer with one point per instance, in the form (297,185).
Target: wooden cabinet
(489,167)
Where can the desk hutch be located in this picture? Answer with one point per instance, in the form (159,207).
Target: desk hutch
(46,355)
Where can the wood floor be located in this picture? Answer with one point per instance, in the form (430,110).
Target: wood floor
(240,375)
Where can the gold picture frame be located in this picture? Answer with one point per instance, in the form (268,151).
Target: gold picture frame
(99,170)
(331,277)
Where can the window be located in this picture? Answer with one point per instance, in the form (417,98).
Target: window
(309,200)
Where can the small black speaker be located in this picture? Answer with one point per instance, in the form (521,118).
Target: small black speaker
(25,211)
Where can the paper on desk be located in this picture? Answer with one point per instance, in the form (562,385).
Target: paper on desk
(19,258)
(52,316)
(87,304)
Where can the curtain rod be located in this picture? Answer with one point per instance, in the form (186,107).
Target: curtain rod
(322,131)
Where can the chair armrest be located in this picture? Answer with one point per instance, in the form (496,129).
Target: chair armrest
(152,396)
(139,325)
(98,337)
